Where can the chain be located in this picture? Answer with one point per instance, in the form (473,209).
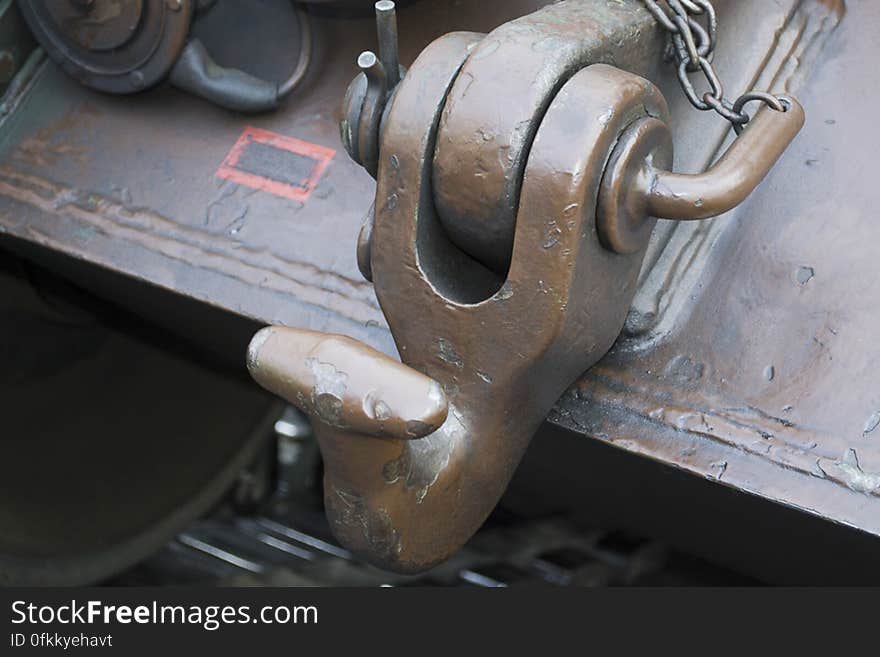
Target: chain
(692,47)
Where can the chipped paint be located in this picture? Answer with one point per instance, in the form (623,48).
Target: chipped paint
(720,468)
(447,353)
(872,423)
(505,293)
(375,526)
(747,429)
(328,392)
(256,346)
(424,460)
(849,472)
(375,408)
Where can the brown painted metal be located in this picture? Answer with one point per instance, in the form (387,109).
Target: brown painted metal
(347,385)
(490,117)
(759,323)
(730,180)
(624,225)
(265,259)
(407,486)
(127,46)
(407,504)
(638,185)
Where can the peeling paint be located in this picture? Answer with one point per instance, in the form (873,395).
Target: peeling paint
(505,293)
(720,468)
(424,460)
(256,346)
(375,526)
(447,353)
(849,472)
(328,392)
(375,408)
(872,423)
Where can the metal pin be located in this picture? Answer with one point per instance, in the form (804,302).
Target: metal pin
(386,24)
(371,111)
(377,76)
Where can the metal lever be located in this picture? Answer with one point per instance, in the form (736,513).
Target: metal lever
(197,73)
(638,186)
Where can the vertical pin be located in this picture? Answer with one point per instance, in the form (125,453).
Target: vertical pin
(377,75)
(386,24)
(371,111)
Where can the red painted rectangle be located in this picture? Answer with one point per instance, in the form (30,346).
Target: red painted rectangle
(317,159)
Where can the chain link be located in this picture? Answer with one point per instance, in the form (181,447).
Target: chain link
(692,47)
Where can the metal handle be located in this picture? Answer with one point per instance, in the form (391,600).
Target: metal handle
(733,177)
(638,186)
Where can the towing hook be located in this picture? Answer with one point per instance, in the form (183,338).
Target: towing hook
(510,224)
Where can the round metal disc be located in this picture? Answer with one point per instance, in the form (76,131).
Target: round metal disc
(622,219)
(116,46)
(97,24)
